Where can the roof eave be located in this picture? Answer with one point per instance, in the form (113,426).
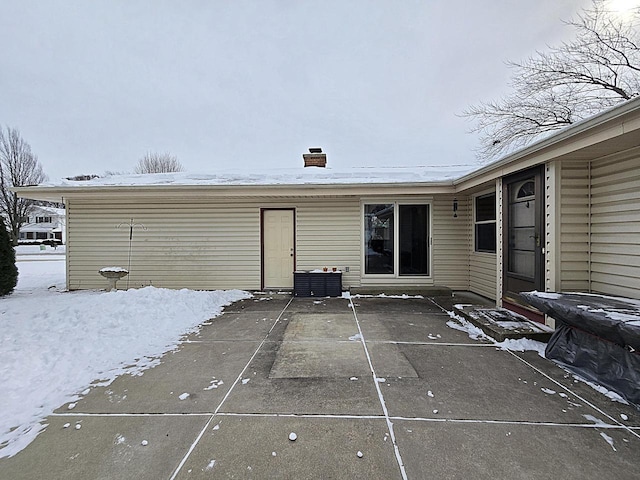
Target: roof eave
(562,136)
(307,189)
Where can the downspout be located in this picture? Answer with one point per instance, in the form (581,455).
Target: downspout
(66,243)
(589,221)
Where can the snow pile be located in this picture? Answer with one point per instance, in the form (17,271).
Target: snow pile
(114,270)
(463,325)
(522,345)
(475,333)
(610,394)
(54,345)
(403,296)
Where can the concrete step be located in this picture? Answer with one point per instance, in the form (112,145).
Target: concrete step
(434,291)
(502,324)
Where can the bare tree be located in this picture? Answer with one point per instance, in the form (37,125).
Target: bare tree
(567,83)
(159,163)
(18,168)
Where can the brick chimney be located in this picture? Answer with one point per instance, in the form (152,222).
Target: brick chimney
(315,158)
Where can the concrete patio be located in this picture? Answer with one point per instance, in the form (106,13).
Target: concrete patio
(381,376)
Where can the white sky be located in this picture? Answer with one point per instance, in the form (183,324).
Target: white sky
(92,86)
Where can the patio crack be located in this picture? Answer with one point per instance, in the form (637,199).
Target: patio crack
(376,381)
(238,379)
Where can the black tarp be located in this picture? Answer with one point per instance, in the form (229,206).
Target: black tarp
(597,337)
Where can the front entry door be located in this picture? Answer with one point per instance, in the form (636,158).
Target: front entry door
(523,198)
(277,248)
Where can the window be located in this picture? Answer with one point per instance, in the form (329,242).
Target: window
(527,189)
(396,239)
(485,223)
(43,219)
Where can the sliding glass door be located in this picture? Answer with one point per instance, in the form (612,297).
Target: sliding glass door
(396,247)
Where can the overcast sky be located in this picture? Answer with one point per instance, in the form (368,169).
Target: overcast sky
(94,85)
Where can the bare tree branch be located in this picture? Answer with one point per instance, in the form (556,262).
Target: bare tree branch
(570,82)
(158,163)
(18,168)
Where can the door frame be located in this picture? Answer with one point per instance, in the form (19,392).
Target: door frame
(428,201)
(295,249)
(539,261)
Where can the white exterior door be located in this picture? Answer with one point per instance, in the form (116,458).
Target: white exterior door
(277,248)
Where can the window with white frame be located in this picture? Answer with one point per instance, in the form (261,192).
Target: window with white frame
(43,219)
(396,239)
(485,223)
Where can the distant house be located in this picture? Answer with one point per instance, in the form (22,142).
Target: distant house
(560,215)
(44,223)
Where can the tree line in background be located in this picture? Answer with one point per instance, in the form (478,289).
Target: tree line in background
(158,163)
(20,167)
(552,89)
(8,269)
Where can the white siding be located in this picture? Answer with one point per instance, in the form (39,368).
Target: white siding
(615,225)
(574,226)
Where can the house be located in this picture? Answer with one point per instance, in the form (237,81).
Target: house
(560,215)
(43,223)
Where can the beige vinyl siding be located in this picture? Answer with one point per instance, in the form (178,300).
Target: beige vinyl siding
(197,245)
(574,226)
(482,266)
(214,243)
(328,235)
(482,274)
(451,239)
(615,225)
(205,244)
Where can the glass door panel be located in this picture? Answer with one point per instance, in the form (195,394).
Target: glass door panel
(379,235)
(414,239)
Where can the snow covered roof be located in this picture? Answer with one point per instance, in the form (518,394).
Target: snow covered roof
(281,176)
(37,227)
(48,210)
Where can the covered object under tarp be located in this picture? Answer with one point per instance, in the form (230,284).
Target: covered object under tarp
(597,337)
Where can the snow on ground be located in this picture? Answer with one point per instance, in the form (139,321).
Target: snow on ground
(380,295)
(521,345)
(23,250)
(55,344)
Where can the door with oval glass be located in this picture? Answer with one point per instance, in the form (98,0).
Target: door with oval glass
(523,207)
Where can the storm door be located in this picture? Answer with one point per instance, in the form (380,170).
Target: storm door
(524,233)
